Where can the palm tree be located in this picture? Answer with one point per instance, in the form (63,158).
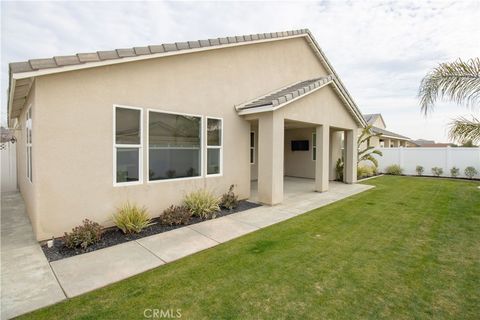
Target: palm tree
(366,154)
(456,81)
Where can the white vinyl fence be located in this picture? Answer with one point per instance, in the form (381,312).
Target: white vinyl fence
(8,166)
(445,158)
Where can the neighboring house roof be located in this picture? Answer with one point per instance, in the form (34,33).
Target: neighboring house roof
(389,134)
(283,96)
(21,74)
(437,145)
(422,142)
(370,118)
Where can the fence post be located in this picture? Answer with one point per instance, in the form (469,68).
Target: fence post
(400,157)
(448,156)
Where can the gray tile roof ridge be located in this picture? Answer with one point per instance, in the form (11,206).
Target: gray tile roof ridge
(288,93)
(81,58)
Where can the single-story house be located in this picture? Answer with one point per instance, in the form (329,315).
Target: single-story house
(151,124)
(385,138)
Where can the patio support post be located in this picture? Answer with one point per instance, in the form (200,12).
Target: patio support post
(335,151)
(351,153)
(322,156)
(386,142)
(270,158)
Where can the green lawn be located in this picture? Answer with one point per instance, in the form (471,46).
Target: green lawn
(409,248)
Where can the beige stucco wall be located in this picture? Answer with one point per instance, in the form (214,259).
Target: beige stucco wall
(73,159)
(299,163)
(321,107)
(27,188)
(379,123)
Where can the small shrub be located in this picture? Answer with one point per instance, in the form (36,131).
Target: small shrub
(202,204)
(394,169)
(175,215)
(419,170)
(339,169)
(83,236)
(437,171)
(365,171)
(454,172)
(470,172)
(229,200)
(131,218)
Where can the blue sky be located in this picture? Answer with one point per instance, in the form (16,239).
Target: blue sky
(381,50)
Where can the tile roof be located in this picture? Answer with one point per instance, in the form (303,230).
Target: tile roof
(370,117)
(288,93)
(81,58)
(384,132)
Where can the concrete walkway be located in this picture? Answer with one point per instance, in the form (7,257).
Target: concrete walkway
(27,280)
(86,272)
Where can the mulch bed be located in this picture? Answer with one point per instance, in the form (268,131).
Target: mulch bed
(113,236)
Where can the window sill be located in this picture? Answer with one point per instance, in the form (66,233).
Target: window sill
(127,184)
(214,175)
(173,180)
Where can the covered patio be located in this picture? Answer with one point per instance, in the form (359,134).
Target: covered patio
(297,131)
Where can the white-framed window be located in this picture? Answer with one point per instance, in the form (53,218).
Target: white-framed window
(214,146)
(252,147)
(28,134)
(127,145)
(314,146)
(174,146)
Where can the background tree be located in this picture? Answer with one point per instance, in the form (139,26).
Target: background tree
(456,81)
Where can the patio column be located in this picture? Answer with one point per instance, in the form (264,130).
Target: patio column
(351,152)
(270,158)
(322,156)
(386,143)
(335,151)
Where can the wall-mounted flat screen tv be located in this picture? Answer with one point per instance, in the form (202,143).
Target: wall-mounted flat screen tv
(299,145)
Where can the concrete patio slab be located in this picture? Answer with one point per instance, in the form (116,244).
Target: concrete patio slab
(27,281)
(176,244)
(223,229)
(93,270)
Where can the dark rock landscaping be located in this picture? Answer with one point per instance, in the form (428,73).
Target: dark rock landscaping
(113,236)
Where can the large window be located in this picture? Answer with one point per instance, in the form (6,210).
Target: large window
(252,147)
(128,145)
(174,146)
(214,146)
(28,133)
